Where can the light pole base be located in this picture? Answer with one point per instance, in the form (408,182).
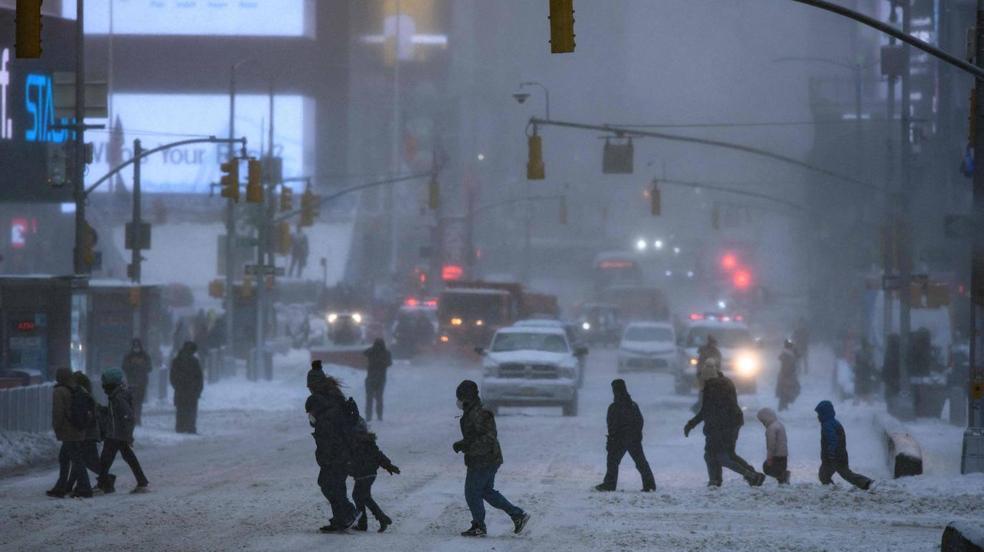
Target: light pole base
(972,458)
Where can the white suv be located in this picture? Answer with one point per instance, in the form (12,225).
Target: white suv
(531,366)
(648,346)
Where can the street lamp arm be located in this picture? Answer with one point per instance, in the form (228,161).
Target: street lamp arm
(546,93)
(623,131)
(892,31)
(345,191)
(728,190)
(147,153)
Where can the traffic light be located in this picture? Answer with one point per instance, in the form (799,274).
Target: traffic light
(563,210)
(308,201)
(254,181)
(655,201)
(216,289)
(88,243)
(534,166)
(286,199)
(561,26)
(28,35)
(433,193)
(230,179)
(283,238)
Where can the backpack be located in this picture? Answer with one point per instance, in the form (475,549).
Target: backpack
(82,410)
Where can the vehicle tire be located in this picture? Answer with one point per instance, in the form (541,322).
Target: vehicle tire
(570,408)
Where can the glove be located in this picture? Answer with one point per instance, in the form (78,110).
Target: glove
(458,446)
(393,470)
(687,429)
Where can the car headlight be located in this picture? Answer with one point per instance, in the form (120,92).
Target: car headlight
(586,326)
(357,318)
(456,321)
(332,318)
(693,361)
(747,365)
(479,322)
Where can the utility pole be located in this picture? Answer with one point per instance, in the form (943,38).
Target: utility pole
(230,252)
(80,265)
(972,458)
(890,241)
(136,232)
(905,407)
(395,169)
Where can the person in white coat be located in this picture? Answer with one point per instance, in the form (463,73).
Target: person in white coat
(776,446)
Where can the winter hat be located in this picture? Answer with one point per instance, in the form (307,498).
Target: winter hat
(619,389)
(467,391)
(767,416)
(315,376)
(82,381)
(113,376)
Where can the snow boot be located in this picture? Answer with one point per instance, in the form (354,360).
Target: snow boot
(82,494)
(362,524)
(520,522)
(55,493)
(476,530)
(605,488)
(714,483)
(784,478)
(755,479)
(331,528)
(108,485)
(384,522)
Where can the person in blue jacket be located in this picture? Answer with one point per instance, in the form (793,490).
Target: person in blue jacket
(833,449)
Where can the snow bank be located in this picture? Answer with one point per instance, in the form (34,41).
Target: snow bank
(18,448)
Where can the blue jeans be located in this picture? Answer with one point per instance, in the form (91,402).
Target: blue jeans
(479,489)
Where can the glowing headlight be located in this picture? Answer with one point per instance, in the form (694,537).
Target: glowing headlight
(357,317)
(693,361)
(444,339)
(332,318)
(747,365)
(586,326)
(479,322)
(456,321)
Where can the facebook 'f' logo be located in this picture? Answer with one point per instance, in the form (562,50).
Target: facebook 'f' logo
(6,124)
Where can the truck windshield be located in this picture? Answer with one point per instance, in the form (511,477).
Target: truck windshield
(550,343)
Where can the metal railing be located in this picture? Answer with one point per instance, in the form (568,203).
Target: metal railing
(26,408)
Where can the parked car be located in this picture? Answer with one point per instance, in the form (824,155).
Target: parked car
(648,346)
(741,358)
(531,366)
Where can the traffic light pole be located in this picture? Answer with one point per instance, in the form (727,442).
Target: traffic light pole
(972,457)
(79,263)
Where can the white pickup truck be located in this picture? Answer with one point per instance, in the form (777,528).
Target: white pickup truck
(531,366)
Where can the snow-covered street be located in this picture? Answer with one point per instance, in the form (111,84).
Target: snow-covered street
(248,482)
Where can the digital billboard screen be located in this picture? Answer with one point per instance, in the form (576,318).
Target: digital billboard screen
(158,119)
(197,17)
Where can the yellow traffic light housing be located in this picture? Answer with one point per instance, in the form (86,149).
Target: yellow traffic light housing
(561,26)
(28,33)
(434,193)
(283,238)
(307,208)
(535,169)
(655,200)
(254,181)
(230,179)
(286,199)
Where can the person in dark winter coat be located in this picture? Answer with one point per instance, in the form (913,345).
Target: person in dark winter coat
(776,446)
(379,361)
(119,420)
(625,435)
(328,414)
(787,384)
(722,419)
(93,434)
(188,382)
(366,461)
(483,456)
(707,351)
(136,367)
(70,458)
(833,449)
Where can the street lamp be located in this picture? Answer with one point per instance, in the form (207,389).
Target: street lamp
(521,97)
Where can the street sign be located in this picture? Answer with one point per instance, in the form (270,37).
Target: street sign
(63,96)
(959,227)
(266,270)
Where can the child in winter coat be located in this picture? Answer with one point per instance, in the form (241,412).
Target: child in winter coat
(776,447)
(833,449)
(366,461)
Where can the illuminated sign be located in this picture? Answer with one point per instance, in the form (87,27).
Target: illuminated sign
(41,107)
(26,326)
(6,123)
(18,233)
(452,272)
(197,17)
(157,119)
